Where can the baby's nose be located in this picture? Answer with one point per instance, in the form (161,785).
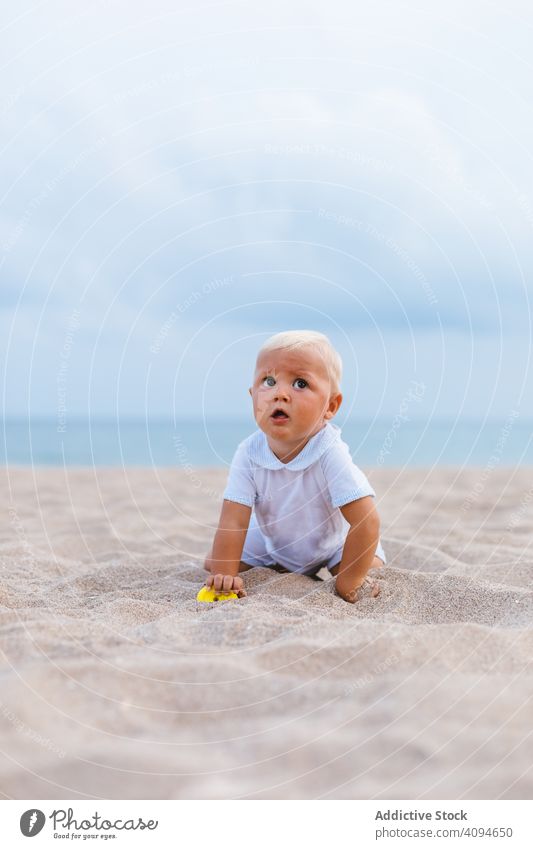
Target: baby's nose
(281,393)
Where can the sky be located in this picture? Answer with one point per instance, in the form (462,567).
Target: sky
(179,181)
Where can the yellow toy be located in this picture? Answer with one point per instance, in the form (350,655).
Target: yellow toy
(208,594)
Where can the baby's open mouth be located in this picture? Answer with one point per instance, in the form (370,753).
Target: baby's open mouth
(279,414)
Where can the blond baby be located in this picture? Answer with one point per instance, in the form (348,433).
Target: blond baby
(295,501)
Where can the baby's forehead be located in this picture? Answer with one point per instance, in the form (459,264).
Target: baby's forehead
(302,360)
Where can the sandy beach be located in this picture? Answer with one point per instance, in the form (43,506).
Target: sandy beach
(116,683)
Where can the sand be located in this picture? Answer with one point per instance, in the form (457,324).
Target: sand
(115,683)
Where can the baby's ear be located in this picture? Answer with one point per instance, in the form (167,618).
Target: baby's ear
(250,390)
(334,403)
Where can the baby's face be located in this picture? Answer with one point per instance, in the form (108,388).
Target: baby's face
(296,383)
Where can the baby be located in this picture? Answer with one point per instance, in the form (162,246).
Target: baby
(294,500)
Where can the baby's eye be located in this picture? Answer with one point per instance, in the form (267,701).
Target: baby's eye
(269,380)
(299,381)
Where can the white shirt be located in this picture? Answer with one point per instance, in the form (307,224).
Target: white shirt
(297,504)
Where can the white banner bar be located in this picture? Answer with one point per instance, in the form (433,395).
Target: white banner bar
(268,824)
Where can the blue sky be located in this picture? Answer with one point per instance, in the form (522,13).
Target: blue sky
(178,184)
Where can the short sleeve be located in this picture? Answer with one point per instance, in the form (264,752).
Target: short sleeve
(345,481)
(240,486)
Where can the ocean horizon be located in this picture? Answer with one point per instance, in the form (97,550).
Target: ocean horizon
(505,441)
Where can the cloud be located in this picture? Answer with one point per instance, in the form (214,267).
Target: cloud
(343,165)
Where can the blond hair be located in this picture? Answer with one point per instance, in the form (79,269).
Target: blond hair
(291,339)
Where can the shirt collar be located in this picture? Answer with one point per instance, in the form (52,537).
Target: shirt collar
(262,454)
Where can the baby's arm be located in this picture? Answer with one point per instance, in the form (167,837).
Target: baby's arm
(359,548)
(225,557)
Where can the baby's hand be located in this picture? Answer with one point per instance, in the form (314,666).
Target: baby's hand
(226,583)
(353,594)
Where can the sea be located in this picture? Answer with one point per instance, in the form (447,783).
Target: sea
(210,442)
